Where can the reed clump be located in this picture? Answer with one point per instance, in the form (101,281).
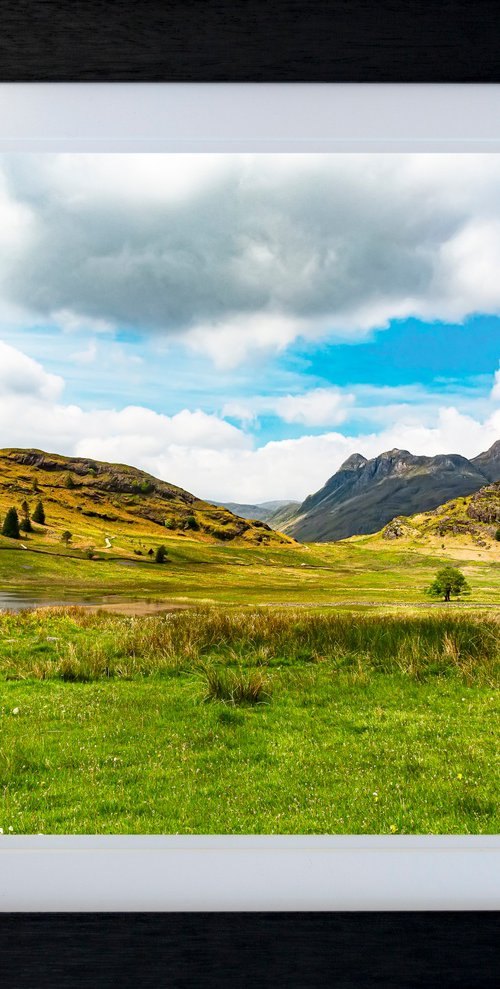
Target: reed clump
(76,644)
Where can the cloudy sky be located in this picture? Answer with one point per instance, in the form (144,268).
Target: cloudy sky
(240,324)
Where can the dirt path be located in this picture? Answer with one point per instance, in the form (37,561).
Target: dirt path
(136,608)
(451,606)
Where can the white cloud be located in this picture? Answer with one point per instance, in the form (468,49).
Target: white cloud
(202,452)
(87,356)
(495,393)
(318,407)
(21,376)
(229,342)
(73,322)
(241,254)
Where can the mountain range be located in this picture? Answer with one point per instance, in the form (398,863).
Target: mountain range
(364,495)
(272,512)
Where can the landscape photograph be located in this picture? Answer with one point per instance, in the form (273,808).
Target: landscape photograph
(249,493)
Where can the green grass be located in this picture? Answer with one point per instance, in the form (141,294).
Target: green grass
(196,572)
(248,721)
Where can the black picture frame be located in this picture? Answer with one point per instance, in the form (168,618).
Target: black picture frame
(249,41)
(212,41)
(242,950)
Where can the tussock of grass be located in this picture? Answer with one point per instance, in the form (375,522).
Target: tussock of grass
(235,687)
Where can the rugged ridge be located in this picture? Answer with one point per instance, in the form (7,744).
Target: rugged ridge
(364,495)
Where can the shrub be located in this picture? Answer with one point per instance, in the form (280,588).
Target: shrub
(66,537)
(191,523)
(69,482)
(160,554)
(497,535)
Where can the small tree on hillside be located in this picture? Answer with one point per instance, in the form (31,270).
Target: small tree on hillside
(25,523)
(66,537)
(160,554)
(448,582)
(69,482)
(34,486)
(10,526)
(497,535)
(39,514)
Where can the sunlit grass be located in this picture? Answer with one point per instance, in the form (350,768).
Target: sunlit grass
(248,720)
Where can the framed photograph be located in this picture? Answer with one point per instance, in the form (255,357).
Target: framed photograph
(250,530)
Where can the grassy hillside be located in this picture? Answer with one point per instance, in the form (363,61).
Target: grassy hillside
(99,503)
(472,522)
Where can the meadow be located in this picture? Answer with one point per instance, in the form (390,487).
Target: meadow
(248,720)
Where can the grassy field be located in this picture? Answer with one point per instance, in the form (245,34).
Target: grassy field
(365,570)
(305,688)
(248,720)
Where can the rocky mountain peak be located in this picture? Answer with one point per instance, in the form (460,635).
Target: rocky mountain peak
(354,462)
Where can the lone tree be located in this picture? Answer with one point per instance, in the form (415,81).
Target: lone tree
(39,514)
(10,526)
(34,486)
(66,537)
(448,583)
(160,554)
(69,482)
(25,523)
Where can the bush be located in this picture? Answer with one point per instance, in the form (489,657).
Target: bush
(497,535)
(160,554)
(66,537)
(191,523)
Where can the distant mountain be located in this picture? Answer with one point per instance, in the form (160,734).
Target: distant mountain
(265,511)
(83,495)
(364,495)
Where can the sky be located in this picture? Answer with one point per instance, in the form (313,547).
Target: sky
(240,324)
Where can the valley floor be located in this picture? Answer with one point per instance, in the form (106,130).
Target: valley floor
(248,720)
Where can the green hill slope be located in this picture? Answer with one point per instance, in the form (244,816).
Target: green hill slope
(93,500)
(472,520)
